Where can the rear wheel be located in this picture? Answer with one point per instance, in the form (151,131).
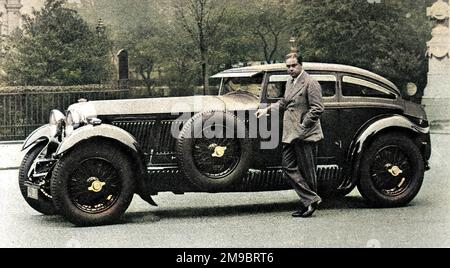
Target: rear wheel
(36,173)
(93,184)
(392,171)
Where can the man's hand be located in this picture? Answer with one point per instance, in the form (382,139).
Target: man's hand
(262,112)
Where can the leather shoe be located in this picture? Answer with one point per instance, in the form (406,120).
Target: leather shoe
(298,213)
(308,211)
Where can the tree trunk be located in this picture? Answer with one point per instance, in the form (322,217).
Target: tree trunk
(145,72)
(205,74)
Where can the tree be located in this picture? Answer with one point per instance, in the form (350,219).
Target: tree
(57,47)
(134,27)
(251,31)
(200,22)
(236,44)
(191,39)
(143,46)
(388,37)
(267,21)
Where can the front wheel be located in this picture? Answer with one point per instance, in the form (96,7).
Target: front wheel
(93,184)
(392,171)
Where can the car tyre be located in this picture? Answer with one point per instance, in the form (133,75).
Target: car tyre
(44,204)
(93,184)
(392,171)
(201,158)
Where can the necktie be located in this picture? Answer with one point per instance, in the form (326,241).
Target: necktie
(289,88)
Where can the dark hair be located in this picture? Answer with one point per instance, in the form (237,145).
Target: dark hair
(298,56)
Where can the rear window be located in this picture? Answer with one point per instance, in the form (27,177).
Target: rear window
(356,87)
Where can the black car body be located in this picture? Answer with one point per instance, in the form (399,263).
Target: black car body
(88,164)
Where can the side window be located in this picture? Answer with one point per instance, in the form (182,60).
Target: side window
(355,87)
(327,83)
(277,86)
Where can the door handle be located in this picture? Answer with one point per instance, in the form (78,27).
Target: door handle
(338,143)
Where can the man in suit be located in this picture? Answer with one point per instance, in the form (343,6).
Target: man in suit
(302,105)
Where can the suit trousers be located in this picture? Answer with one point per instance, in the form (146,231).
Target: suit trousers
(299,165)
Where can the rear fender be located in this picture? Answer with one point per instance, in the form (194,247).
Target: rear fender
(367,134)
(396,121)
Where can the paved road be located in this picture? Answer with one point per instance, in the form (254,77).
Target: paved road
(244,220)
(10,154)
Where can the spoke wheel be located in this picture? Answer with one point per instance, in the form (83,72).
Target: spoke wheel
(93,184)
(214,161)
(216,157)
(391,171)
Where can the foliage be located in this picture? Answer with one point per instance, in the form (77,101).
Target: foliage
(135,28)
(388,38)
(179,43)
(198,28)
(56,47)
(240,43)
(267,22)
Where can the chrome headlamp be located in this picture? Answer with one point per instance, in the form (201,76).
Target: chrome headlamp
(74,119)
(56,117)
(56,121)
(79,115)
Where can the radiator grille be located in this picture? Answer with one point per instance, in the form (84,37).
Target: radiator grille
(152,134)
(166,142)
(144,131)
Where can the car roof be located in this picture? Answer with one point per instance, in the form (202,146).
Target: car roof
(251,71)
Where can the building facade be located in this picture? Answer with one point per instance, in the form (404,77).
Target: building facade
(10,16)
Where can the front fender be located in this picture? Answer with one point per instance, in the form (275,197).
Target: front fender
(114,133)
(43,133)
(104,130)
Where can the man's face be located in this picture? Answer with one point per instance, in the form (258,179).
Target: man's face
(294,69)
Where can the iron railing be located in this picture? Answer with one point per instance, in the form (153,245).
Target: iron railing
(24,111)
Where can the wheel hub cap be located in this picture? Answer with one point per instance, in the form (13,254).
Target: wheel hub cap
(219,151)
(96,185)
(395,171)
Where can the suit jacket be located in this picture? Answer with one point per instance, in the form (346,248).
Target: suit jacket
(302,105)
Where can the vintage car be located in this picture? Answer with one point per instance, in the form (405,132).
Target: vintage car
(87,165)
